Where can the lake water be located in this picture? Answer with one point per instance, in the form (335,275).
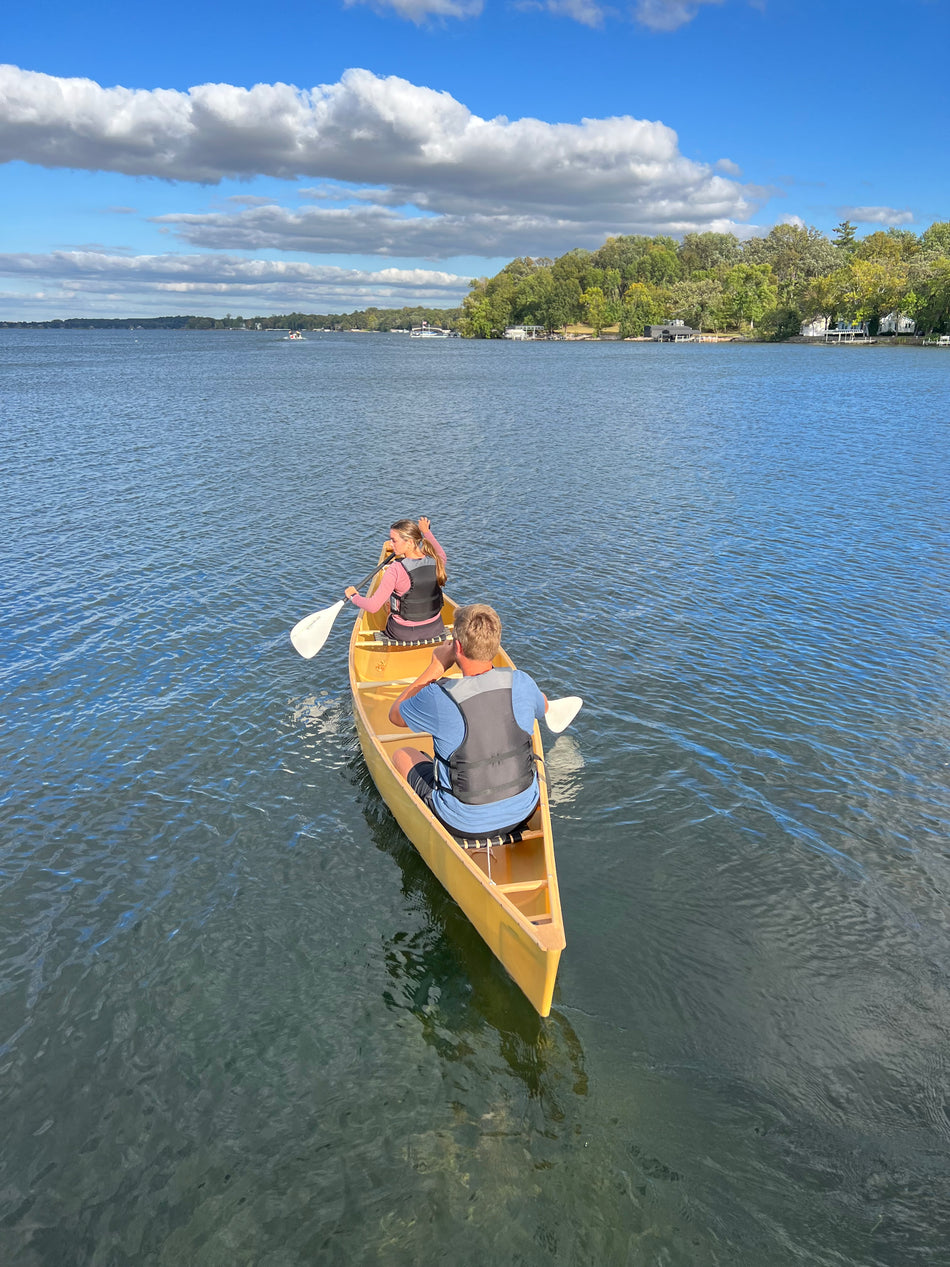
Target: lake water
(240,1022)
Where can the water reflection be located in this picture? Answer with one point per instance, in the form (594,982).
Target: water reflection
(448,979)
(563,762)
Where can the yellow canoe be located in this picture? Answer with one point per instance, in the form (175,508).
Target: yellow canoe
(509,892)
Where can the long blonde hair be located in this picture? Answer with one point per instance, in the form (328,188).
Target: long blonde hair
(409,530)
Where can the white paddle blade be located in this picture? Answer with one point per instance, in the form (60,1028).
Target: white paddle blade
(309,634)
(561,712)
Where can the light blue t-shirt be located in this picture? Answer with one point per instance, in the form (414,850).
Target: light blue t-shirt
(433,712)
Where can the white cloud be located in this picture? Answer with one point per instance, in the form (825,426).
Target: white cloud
(877,215)
(377,230)
(173,282)
(423,147)
(727,166)
(419,10)
(658,15)
(587,12)
(667,15)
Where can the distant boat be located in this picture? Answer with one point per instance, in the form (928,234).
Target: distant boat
(295,334)
(425,331)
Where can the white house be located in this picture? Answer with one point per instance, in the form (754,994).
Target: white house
(897,323)
(524,332)
(814,329)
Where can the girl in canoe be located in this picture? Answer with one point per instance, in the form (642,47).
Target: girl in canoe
(412,584)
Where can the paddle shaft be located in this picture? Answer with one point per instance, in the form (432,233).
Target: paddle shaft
(379,566)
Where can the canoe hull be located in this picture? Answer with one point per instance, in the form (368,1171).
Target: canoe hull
(509,893)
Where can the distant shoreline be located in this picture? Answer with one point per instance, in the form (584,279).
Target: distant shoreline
(129,326)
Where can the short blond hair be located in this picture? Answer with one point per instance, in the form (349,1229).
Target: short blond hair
(477,630)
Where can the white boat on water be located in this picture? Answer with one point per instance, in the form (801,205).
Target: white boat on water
(425,331)
(295,335)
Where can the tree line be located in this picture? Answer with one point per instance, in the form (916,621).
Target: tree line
(713,282)
(382,319)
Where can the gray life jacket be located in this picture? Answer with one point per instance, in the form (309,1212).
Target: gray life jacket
(494,760)
(423,599)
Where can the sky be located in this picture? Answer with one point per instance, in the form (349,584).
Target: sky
(330,155)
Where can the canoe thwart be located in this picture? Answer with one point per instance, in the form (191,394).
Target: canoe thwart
(523,886)
(376,686)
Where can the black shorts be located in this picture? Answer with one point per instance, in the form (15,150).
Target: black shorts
(415,633)
(421,778)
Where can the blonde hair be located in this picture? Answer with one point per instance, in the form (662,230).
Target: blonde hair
(477,630)
(409,530)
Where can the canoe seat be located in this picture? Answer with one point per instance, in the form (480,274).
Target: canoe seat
(380,639)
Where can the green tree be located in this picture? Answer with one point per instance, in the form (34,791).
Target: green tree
(562,304)
(659,265)
(822,297)
(595,306)
(779,324)
(613,289)
(936,239)
(750,292)
(699,301)
(895,247)
(870,289)
(795,255)
(642,306)
(477,316)
(701,252)
(622,254)
(844,236)
(928,300)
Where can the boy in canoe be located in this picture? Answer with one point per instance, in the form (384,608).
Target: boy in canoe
(483,780)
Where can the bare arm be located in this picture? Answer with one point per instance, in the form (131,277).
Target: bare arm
(442,660)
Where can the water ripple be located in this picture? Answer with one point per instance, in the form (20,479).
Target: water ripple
(239,1019)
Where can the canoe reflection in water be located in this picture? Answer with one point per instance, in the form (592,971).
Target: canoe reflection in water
(444,975)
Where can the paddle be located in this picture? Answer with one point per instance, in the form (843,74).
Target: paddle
(309,634)
(561,712)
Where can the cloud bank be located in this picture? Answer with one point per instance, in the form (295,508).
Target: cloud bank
(668,15)
(877,215)
(657,15)
(196,281)
(420,149)
(420,11)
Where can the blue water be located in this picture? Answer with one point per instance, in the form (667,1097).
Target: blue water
(240,1022)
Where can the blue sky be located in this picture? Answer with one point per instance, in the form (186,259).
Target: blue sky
(325,156)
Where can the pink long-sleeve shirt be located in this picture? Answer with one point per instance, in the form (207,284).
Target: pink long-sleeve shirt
(394,580)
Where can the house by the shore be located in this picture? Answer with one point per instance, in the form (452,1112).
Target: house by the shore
(897,323)
(821,327)
(671,332)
